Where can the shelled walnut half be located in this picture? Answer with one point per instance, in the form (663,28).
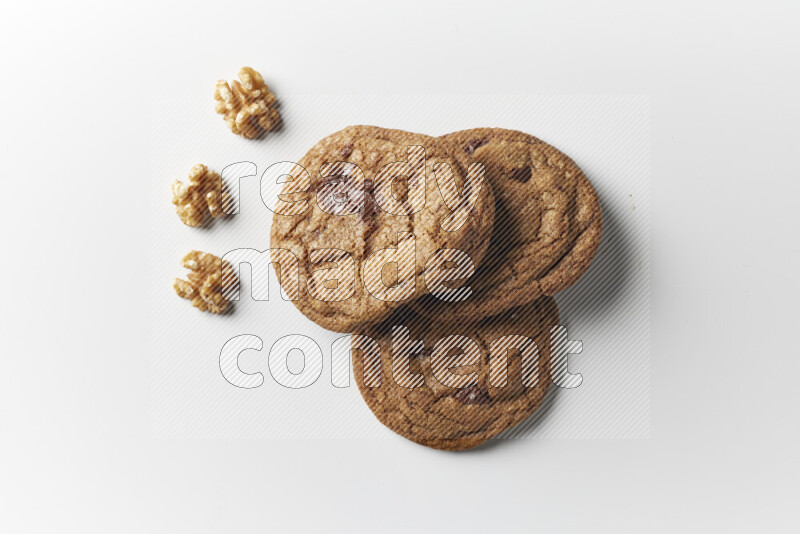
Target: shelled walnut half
(203,195)
(248,105)
(210,280)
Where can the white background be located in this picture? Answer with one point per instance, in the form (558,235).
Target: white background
(76,447)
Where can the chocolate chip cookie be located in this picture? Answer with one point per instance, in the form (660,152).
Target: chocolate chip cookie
(547,225)
(364,210)
(434,382)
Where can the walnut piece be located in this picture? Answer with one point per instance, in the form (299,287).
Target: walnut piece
(209,281)
(248,106)
(203,195)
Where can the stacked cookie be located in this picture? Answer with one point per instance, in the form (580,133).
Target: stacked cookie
(378,217)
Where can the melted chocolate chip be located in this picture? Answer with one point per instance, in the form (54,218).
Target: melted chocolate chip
(427,352)
(346,151)
(472,395)
(332,180)
(338,193)
(473,145)
(523,174)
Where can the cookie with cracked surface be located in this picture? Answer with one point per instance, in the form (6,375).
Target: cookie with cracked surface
(364,197)
(460,399)
(547,228)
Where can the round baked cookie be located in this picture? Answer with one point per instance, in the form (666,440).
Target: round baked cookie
(351,207)
(455,415)
(547,227)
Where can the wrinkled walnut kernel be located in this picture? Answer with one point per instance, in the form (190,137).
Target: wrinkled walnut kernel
(209,280)
(201,196)
(248,105)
